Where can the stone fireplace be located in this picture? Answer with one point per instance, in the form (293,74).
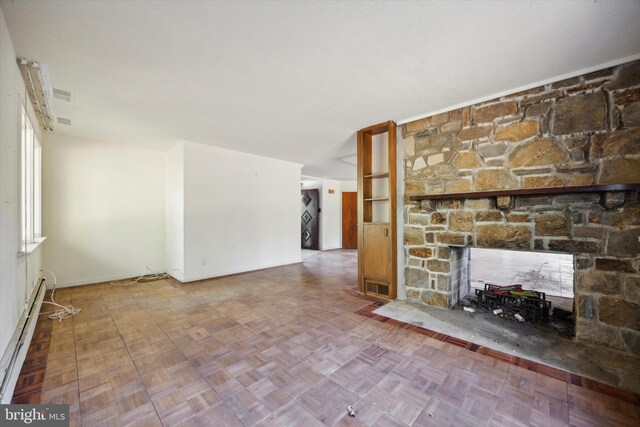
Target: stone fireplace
(577,132)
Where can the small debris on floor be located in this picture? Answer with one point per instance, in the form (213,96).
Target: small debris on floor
(351,411)
(469,309)
(466,301)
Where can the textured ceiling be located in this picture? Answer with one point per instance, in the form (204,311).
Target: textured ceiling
(295,80)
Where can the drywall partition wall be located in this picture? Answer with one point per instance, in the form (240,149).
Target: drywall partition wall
(349,186)
(15,288)
(241,212)
(331,215)
(174,211)
(103,210)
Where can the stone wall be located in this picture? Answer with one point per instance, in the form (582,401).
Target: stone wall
(580,131)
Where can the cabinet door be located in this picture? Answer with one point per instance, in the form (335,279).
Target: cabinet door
(377,252)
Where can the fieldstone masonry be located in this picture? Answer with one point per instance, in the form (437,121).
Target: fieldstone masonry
(580,131)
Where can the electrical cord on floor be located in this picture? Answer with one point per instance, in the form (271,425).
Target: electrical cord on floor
(64,311)
(150,277)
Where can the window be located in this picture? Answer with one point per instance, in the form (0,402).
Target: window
(30,154)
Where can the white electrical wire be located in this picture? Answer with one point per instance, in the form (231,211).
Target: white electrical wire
(64,311)
(151,277)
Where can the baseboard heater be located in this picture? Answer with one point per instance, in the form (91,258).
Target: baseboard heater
(16,351)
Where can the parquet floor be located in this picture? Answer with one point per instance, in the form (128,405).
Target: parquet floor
(284,347)
(29,385)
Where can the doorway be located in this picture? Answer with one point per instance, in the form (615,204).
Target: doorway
(349,220)
(309,219)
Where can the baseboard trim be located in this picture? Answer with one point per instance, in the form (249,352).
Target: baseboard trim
(97,281)
(235,273)
(109,279)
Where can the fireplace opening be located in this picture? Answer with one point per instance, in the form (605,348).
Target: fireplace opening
(518,286)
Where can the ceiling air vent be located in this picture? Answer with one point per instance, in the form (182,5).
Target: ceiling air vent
(64,121)
(63,95)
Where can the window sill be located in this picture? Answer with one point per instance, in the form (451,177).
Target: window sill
(31,247)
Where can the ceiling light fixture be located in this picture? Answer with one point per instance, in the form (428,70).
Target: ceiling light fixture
(40,92)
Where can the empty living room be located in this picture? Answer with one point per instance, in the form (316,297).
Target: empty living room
(307,213)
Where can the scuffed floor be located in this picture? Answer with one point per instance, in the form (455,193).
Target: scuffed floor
(286,347)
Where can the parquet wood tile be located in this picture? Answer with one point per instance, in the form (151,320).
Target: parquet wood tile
(275,400)
(327,401)
(294,414)
(408,404)
(388,420)
(29,385)
(58,376)
(144,415)
(96,399)
(551,407)
(94,380)
(290,346)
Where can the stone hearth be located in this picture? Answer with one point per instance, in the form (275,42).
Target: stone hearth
(581,131)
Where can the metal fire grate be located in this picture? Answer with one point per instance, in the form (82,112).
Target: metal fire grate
(532,305)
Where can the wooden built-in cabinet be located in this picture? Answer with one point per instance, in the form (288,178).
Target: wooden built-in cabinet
(377,261)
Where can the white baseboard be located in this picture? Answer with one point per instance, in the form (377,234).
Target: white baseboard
(91,281)
(243,270)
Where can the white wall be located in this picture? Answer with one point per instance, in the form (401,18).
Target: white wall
(174,211)
(331,215)
(17,274)
(241,212)
(349,186)
(103,210)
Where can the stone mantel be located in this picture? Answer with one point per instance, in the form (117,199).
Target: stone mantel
(529,192)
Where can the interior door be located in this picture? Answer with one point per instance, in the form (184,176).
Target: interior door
(350,220)
(310,219)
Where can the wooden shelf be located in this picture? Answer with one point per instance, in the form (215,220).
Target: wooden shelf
(378,175)
(530,192)
(377,216)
